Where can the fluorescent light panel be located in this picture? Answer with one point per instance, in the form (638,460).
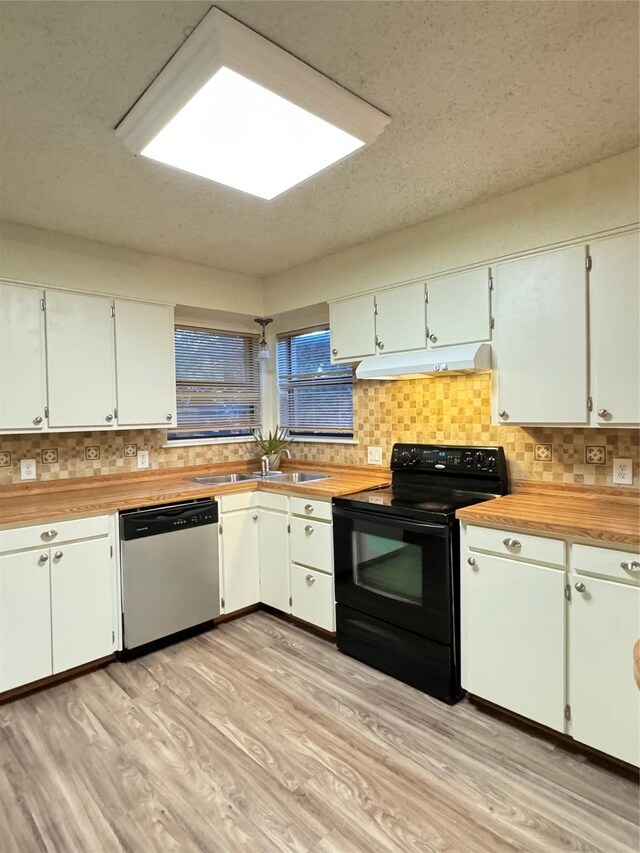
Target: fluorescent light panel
(240,134)
(234,108)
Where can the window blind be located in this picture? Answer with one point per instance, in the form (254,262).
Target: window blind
(315,397)
(217,382)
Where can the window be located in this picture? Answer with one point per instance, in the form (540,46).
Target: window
(315,397)
(217,383)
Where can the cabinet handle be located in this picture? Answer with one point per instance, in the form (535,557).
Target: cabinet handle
(255,517)
(471,561)
(604,413)
(308,509)
(37,421)
(433,339)
(334,352)
(169,417)
(580,587)
(43,558)
(380,345)
(310,580)
(49,534)
(511,543)
(503,414)
(630,565)
(109,418)
(58,555)
(308,529)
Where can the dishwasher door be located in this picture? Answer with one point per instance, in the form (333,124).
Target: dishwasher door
(170,577)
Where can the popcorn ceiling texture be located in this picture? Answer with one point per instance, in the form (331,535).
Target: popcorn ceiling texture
(455,410)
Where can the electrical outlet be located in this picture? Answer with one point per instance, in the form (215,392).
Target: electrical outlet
(143,459)
(374,455)
(27,469)
(623,472)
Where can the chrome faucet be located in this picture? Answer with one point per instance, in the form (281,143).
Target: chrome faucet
(264,465)
(285,450)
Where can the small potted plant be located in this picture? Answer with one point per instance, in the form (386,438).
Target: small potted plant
(272,445)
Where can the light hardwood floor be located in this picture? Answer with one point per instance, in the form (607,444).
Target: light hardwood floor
(258,736)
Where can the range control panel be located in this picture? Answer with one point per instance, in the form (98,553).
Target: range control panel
(456,460)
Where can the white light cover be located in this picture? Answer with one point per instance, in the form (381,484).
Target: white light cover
(240,134)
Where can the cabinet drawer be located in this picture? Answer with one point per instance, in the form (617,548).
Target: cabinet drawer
(312,597)
(311,544)
(238,500)
(269,500)
(53,533)
(610,563)
(311,509)
(521,546)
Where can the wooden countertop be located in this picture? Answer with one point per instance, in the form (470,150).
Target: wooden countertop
(54,499)
(580,514)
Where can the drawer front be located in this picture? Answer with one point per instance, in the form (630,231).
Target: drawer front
(311,509)
(269,500)
(607,562)
(311,544)
(53,533)
(517,546)
(237,500)
(313,597)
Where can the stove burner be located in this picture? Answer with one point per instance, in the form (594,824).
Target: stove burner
(434,506)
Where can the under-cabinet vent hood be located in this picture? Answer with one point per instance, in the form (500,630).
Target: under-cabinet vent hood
(468,358)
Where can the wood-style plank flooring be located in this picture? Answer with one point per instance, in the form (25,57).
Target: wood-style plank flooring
(258,736)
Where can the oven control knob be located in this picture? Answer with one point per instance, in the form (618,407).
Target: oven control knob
(405,457)
(479,458)
(415,455)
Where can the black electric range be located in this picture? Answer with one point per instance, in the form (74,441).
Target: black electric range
(397,562)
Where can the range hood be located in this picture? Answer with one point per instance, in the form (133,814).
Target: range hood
(468,358)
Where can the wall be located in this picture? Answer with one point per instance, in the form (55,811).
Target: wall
(49,258)
(584,202)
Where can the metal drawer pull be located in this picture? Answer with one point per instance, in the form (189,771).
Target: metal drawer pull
(310,580)
(502,414)
(580,587)
(630,565)
(308,529)
(603,413)
(169,417)
(37,421)
(308,509)
(49,534)
(43,558)
(108,418)
(255,517)
(58,555)
(471,561)
(511,543)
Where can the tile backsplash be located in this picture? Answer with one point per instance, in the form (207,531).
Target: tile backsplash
(452,409)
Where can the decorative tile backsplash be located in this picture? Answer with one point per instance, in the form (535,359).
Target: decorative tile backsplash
(451,409)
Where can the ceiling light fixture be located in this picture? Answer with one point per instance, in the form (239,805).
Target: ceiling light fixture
(263,346)
(235,108)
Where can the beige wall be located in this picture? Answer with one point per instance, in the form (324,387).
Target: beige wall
(598,198)
(49,258)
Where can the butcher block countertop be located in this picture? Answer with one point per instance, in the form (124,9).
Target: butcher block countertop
(53,499)
(577,512)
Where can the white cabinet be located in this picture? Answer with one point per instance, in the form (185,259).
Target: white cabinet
(513,636)
(80,360)
(459,308)
(145,364)
(540,339)
(82,603)
(353,328)
(240,559)
(401,322)
(312,587)
(22,359)
(25,618)
(313,597)
(274,559)
(312,543)
(614,303)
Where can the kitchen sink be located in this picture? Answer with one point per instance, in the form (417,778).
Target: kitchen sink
(226,479)
(271,477)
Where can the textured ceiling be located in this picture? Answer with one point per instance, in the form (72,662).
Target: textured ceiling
(484,98)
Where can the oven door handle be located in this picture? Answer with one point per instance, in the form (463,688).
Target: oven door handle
(425,527)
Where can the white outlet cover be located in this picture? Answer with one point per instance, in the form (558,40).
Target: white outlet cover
(623,472)
(374,455)
(27,469)
(143,459)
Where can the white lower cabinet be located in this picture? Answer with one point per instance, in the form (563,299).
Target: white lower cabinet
(274,560)
(313,597)
(240,559)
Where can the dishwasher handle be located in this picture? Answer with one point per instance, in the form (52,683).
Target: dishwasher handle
(139,524)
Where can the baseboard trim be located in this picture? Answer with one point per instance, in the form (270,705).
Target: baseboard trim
(57,678)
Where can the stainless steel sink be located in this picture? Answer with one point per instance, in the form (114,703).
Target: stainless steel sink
(226,479)
(294,476)
(271,477)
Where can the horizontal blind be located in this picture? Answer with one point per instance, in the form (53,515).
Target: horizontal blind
(314,395)
(217,380)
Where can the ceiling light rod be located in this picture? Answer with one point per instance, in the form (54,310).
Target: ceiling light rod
(263,346)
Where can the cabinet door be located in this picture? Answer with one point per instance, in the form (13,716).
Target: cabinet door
(22,372)
(459,309)
(401,321)
(145,364)
(605,701)
(614,308)
(82,603)
(539,340)
(513,636)
(353,328)
(313,597)
(80,360)
(240,560)
(274,560)
(25,618)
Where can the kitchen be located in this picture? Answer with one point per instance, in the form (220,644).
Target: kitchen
(424,295)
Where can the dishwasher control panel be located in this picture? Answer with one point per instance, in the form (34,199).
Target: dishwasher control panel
(152,521)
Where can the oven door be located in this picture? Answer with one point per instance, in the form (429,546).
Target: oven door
(399,571)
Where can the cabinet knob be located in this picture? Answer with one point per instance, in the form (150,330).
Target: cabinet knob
(108,418)
(503,414)
(630,565)
(308,529)
(308,509)
(58,555)
(43,558)
(471,561)
(511,543)
(604,413)
(169,417)
(255,517)
(49,534)
(380,345)
(580,587)
(433,339)
(310,580)
(334,352)
(37,421)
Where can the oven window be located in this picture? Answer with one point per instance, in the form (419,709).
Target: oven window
(388,566)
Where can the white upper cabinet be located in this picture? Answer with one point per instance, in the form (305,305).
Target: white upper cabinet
(353,328)
(80,360)
(401,322)
(459,309)
(145,364)
(540,339)
(614,301)
(22,360)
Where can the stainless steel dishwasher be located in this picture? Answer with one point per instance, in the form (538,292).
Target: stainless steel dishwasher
(170,581)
